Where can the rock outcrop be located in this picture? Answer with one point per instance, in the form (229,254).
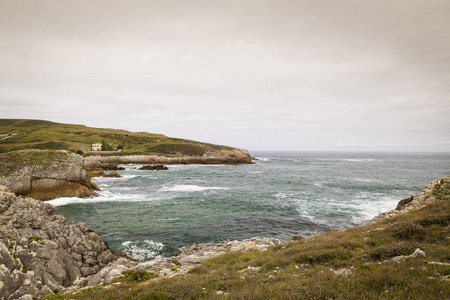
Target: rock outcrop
(40,253)
(45,174)
(153,168)
(185,259)
(436,190)
(230,157)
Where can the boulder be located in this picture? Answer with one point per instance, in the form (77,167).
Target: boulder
(153,168)
(113,174)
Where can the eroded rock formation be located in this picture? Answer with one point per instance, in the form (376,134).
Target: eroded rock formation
(45,174)
(40,253)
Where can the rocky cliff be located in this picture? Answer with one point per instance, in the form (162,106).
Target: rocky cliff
(40,253)
(436,190)
(45,174)
(226,156)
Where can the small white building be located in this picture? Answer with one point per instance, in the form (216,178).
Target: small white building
(96,147)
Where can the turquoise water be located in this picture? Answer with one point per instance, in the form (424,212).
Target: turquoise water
(149,213)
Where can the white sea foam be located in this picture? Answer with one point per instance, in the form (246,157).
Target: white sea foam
(256,172)
(319,183)
(105,196)
(169,219)
(357,159)
(190,188)
(142,250)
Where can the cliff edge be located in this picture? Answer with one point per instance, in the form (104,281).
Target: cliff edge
(225,156)
(45,174)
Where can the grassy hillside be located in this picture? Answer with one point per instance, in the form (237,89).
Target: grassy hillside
(17,134)
(306,269)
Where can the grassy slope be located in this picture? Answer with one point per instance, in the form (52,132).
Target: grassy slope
(38,134)
(302,269)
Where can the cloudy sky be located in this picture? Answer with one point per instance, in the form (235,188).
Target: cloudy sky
(256,74)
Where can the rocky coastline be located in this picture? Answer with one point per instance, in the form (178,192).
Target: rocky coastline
(41,254)
(226,157)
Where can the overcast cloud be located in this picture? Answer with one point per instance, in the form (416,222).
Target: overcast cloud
(261,75)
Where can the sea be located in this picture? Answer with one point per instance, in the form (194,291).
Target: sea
(153,213)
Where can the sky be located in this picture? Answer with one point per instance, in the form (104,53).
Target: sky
(323,75)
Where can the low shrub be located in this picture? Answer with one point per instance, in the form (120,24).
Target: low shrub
(138,275)
(406,230)
(387,252)
(443,220)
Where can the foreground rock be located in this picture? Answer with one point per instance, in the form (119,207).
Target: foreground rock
(45,174)
(229,157)
(185,259)
(40,253)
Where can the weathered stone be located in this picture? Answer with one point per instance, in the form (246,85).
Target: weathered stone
(45,174)
(343,273)
(53,264)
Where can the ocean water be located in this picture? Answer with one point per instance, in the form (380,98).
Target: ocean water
(153,213)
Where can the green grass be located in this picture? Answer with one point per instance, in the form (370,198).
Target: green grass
(38,134)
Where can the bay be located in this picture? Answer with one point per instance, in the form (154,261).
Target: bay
(152,213)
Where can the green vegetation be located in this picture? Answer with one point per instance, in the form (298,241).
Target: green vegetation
(138,275)
(305,269)
(34,238)
(15,160)
(18,134)
(11,244)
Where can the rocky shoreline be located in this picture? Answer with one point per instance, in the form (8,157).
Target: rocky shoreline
(41,254)
(50,174)
(227,157)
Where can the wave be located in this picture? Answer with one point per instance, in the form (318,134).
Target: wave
(105,196)
(142,250)
(190,188)
(357,159)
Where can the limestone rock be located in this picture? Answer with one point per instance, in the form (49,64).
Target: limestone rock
(45,174)
(343,273)
(44,254)
(230,156)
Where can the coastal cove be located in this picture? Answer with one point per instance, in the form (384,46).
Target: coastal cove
(148,213)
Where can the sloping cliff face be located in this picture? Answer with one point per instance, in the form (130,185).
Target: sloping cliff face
(227,156)
(45,174)
(40,253)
